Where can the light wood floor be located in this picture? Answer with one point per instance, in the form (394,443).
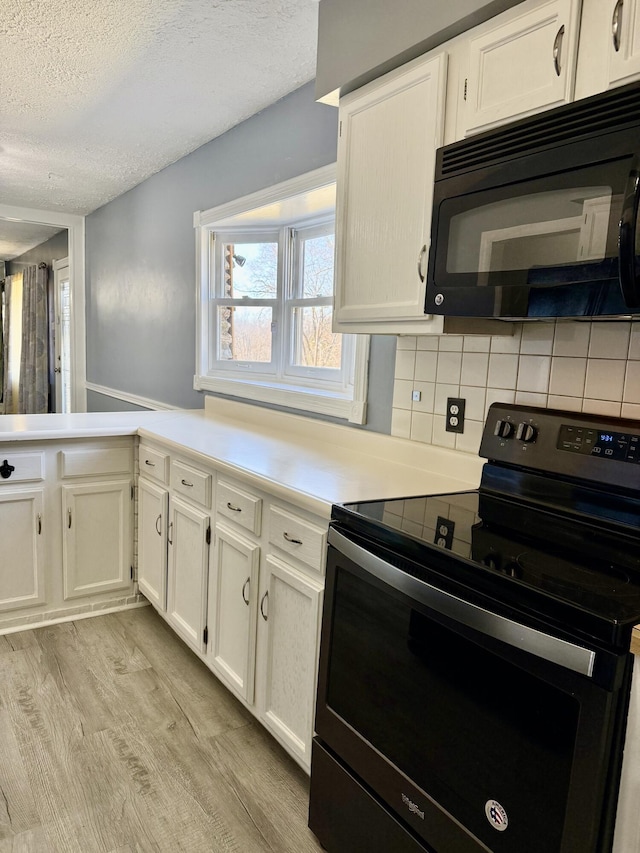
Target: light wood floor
(114,737)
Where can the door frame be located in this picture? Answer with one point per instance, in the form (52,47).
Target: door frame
(74,223)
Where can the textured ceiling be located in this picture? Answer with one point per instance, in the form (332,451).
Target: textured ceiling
(96,95)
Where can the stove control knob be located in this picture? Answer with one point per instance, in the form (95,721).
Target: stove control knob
(503,429)
(526,433)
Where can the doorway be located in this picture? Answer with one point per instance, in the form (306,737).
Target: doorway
(62,336)
(67,300)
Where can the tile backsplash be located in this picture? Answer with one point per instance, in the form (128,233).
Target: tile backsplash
(578,366)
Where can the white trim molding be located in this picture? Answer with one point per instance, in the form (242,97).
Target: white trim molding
(135,399)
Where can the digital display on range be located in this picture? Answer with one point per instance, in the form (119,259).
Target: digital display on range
(625,447)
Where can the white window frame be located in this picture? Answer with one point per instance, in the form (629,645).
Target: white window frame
(293,387)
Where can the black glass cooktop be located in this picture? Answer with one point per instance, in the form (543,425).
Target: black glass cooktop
(553,556)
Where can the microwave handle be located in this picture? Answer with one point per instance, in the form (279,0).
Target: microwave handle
(629,282)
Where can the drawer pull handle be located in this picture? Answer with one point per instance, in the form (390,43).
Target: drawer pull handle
(149,463)
(39,524)
(187,483)
(423,252)
(169,534)
(557,47)
(616,24)
(244,588)
(6,470)
(159,525)
(69,518)
(233,508)
(264,600)
(291,539)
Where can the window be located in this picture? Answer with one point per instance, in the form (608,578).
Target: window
(266,303)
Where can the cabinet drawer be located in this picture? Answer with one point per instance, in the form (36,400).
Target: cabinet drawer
(297,537)
(154,464)
(240,506)
(87,463)
(191,483)
(27,467)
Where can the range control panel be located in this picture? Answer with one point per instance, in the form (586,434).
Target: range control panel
(604,443)
(591,447)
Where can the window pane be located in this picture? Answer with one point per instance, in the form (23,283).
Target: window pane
(315,345)
(317,266)
(244,333)
(251,269)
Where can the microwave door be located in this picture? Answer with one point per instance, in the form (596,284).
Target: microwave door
(540,248)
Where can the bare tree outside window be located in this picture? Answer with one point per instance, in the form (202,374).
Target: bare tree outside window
(316,344)
(250,272)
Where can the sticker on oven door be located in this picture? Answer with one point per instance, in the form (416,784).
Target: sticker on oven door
(496,815)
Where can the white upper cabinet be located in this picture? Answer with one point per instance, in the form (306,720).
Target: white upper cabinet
(389,132)
(609,52)
(520,63)
(624,41)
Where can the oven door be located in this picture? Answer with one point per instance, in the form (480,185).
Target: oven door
(435,705)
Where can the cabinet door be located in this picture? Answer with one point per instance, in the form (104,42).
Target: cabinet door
(523,64)
(153,512)
(291,607)
(233,610)
(624,41)
(97,537)
(21,549)
(389,132)
(188,573)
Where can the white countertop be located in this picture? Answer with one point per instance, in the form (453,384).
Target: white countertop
(81,425)
(309,462)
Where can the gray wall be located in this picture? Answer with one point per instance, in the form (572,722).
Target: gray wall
(140,255)
(358,40)
(54,249)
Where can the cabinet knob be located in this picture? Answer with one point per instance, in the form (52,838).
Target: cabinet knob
(6,470)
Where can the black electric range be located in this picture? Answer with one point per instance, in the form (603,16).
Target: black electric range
(475,669)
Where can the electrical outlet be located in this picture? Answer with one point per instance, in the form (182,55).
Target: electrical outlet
(416,396)
(455,414)
(444,532)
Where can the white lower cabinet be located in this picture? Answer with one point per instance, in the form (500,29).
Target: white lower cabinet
(97,540)
(233,610)
(66,528)
(248,598)
(21,548)
(290,610)
(153,513)
(189,535)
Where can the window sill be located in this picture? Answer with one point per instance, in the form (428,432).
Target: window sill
(292,397)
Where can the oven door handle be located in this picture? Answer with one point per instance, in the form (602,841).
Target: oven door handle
(553,649)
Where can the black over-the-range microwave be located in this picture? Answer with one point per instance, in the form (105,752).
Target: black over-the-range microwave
(539,218)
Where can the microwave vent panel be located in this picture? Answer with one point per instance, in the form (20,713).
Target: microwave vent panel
(581,119)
